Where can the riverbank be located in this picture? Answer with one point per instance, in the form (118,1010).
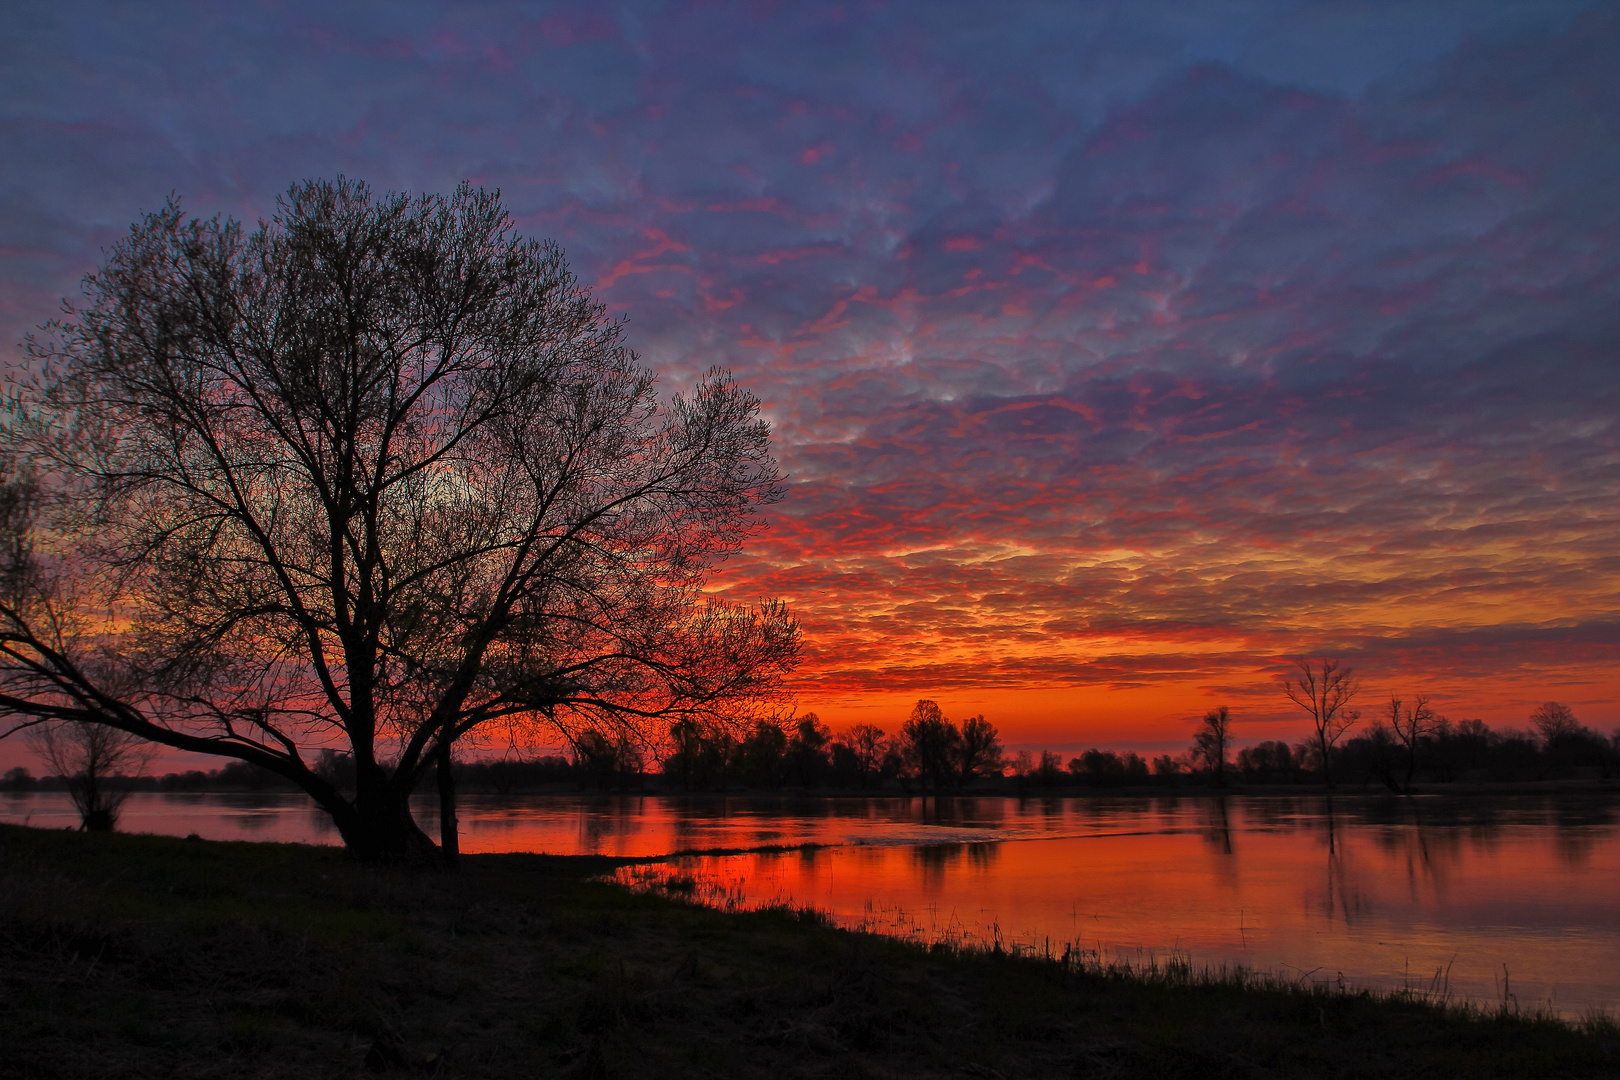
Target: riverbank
(141,955)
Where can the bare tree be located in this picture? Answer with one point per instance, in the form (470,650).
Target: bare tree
(1323,690)
(1412,725)
(866,740)
(1553,720)
(380,474)
(1210,739)
(91,759)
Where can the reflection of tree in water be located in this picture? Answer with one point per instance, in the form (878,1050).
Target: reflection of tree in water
(1429,850)
(318,821)
(933,861)
(1049,807)
(983,856)
(1438,827)
(1216,830)
(693,821)
(1434,836)
(1171,812)
(960,810)
(990,811)
(619,817)
(255,822)
(933,809)
(1105,812)
(1272,813)
(1577,828)
(1217,826)
(1343,897)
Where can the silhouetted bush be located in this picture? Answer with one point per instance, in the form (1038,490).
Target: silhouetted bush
(1167,769)
(808,750)
(761,757)
(507,775)
(1104,768)
(18,779)
(701,758)
(607,763)
(1269,763)
(804,754)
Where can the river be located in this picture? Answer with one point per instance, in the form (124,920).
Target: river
(1482,898)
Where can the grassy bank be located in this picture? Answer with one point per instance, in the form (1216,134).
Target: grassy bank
(145,956)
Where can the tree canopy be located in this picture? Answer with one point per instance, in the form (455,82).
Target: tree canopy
(379,473)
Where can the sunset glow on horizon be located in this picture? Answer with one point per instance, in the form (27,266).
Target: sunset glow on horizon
(1116,355)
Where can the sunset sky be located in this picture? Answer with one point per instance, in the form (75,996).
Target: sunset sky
(1116,352)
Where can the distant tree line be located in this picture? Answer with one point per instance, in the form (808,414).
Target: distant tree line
(501,775)
(929,753)
(234,776)
(1407,742)
(1555,747)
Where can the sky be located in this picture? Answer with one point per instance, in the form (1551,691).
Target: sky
(1117,352)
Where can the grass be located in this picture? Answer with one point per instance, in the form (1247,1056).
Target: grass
(147,956)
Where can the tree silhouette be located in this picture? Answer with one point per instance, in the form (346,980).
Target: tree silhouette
(1210,739)
(807,749)
(1324,690)
(761,759)
(979,751)
(1553,720)
(379,472)
(88,757)
(932,745)
(1412,723)
(867,745)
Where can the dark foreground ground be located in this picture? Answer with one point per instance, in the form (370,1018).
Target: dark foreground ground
(147,956)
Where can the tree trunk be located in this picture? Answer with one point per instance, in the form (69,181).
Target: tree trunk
(377,826)
(1327,766)
(99,820)
(449,840)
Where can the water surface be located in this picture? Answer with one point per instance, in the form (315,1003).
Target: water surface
(1515,895)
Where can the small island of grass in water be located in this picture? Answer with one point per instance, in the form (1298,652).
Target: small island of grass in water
(175,957)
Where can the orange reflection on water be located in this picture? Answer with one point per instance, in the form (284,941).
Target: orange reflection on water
(1386,891)
(1383,901)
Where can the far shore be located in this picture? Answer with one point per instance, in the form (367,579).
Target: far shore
(1010,787)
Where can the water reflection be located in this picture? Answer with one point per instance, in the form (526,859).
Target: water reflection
(933,861)
(1373,886)
(1218,825)
(1370,889)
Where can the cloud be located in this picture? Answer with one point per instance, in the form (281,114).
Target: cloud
(1104,345)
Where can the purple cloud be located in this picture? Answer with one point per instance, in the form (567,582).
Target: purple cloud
(1104,344)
